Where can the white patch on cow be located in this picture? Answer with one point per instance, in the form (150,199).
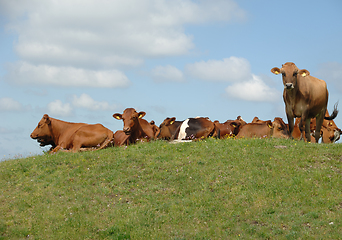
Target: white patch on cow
(179,141)
(336,135)
(182,133)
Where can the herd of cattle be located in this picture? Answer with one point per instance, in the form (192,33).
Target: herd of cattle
(305,98)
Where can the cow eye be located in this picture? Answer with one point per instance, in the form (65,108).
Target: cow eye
(284,74)
(295,74)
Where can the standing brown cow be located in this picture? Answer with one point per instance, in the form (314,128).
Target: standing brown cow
(304,96)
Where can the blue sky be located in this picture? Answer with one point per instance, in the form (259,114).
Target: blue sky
(82,61)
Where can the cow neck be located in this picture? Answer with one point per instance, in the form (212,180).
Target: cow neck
(291,95)
(137,132)
(57,127)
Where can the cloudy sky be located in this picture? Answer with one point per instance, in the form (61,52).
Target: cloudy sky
(83,60)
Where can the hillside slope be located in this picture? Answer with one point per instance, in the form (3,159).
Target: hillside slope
(211,189)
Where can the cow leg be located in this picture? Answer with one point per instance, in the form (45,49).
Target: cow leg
(290,120)
(319,122)
(302,127)
(307,130)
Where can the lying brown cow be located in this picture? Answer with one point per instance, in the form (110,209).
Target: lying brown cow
(196,128)
(168,128)
(134,126)
(230,128)
(296,134)
(155,129)
(304,96)
(69,136)
(329,131)
(264,129)
(189,129)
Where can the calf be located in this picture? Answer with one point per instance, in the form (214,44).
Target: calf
(69,136)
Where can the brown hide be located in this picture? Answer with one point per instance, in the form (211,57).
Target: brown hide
(257,120)
(135,127)
(304,96)
(120,138)
(155,129)
(262,129)
(195,129)
(230,128)
(168,128)
(71,136)
(256,130)
(330,132)
(279,128)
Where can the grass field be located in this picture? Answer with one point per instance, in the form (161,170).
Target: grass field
(211,189)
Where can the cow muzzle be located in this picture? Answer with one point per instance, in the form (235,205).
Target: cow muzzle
(127,131)
(288,86)
(34,136)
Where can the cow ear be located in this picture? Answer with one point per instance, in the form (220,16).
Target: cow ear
(47,119)
(304,72)
(172,120)
(275,70)
(141,114)
(117,116)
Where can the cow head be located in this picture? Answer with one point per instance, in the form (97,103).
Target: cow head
(290,74)
(130,118)
(43,131)
(279,128)
(164,128)
(155,129)
(331,133)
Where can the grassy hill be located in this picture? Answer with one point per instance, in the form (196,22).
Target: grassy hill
(211,189)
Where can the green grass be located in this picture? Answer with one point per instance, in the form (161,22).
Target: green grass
(211,189)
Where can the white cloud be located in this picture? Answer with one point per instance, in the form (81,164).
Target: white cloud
(85,101)
(9,104)
(57,108)
(226,70)
(167,73)
(254,89)
(26,73)
(59,41)
(110,32)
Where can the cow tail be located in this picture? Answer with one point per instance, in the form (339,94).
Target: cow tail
(334,113)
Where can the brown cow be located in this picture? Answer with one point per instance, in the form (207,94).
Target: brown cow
(134,126)
(296,134)
(120,138)
(230,128)
(304,96)
(196,128)
(155,129)
(71,136)
(264,129)
(330,132)
(168,128)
